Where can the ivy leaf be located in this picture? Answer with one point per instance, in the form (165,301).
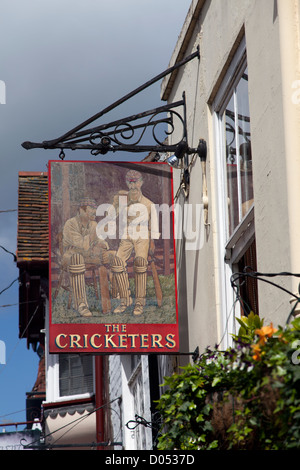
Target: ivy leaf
(280,371)
(208,426)
(215,381)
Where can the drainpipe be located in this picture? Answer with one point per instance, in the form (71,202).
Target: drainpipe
(289,34)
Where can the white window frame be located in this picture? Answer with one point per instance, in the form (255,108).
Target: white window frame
(230,249)
(52,375)
(52,389)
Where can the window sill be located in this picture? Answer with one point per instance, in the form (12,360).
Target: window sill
(241,238)
(71,400)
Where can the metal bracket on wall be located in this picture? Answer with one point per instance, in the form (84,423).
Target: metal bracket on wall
(195,354)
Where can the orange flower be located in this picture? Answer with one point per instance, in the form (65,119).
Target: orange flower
(282,338)
(257,352)
(265,332)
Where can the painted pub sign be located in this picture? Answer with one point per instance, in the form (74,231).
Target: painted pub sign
(112,258)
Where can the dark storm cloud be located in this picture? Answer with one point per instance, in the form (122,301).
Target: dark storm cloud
(63,61)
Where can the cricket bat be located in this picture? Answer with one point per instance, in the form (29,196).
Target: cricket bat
(157,286)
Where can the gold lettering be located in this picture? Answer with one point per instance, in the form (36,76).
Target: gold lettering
(155,341)
(92,341)
(144,341)
(108,340)
(115,340)
(122,341)
(57,341)
(74,341)
(132,338)
(170,339)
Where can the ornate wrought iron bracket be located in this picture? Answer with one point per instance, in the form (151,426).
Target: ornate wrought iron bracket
(127,134)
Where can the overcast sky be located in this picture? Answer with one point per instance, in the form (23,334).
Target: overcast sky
(62,61)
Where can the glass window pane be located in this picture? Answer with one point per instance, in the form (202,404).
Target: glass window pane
(245,153)
(64,387)
(238,154)
(76,370)
(87,383)
(231,166)
(63,367)
(75,374)
(76,385)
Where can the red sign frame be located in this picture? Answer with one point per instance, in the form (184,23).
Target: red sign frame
(102,327)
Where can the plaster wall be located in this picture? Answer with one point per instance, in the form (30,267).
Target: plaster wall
(269,164)
(218,29)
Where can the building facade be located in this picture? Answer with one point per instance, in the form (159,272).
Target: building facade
(243,98)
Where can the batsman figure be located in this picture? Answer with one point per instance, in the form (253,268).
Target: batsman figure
(82,245)
(139,220)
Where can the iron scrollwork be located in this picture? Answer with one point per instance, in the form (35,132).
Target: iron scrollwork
(125,135)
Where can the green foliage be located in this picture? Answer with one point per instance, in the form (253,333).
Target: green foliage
(247,397)
(248,325)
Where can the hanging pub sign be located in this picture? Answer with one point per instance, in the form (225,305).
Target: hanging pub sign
(112,258)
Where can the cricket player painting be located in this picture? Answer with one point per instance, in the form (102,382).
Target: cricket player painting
(112,254)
